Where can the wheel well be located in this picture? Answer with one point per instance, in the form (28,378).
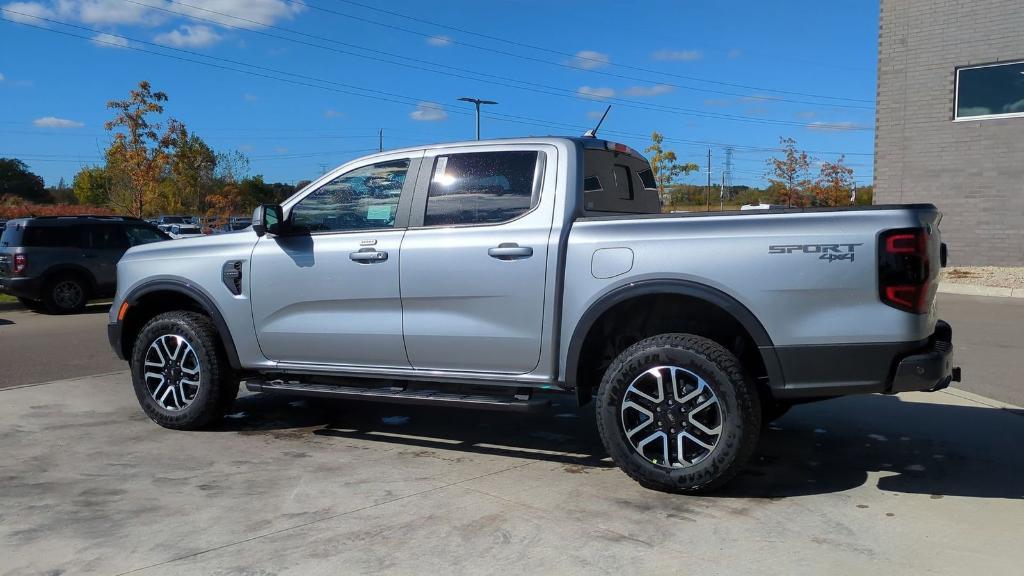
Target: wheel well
(80,273)
(150,305)
(632,320)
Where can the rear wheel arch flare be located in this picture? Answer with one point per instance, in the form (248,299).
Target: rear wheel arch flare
(712,301)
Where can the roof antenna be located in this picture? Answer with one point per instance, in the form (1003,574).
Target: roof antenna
(592,133)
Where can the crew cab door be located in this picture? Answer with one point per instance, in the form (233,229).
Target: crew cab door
(327,292)
(475,256)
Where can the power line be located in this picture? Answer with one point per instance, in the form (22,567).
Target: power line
(499,80)
(575,56)
(347,89)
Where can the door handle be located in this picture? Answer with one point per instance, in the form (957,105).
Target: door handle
(510,251)
(368,256)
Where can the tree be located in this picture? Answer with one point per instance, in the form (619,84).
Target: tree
(62,193)
(138,155)
(232,166)
(17,180)
(223,205)
(664,165)
(835,184)
(192,167)
(791,173)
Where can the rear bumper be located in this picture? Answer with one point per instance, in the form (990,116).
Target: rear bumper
(30,288)
(887,368)
(930,369)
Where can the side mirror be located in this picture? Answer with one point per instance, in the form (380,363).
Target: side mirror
(267,218)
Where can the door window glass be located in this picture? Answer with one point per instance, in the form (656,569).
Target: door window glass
(362,199)
(143,235)
(481,187)
(104,237)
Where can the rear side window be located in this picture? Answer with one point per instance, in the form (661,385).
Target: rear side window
(51,236)
(104,237)
(482,187)
(647,177)
(626,183)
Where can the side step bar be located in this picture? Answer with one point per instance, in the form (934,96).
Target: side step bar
(521,401)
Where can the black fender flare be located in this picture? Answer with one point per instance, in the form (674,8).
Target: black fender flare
(199,295)
(709,294)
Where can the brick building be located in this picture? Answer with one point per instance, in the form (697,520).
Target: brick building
(950,120)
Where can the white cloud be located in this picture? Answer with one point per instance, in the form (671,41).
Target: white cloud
(595,114)
(758,98)
(2,78)
(717,102)
(835,126)
(256,13)
(654,90)
(333,114)
(188,36)
(105,40)
(54,122)
(589,60)
(246,148)
(280,150)
(428,112)
(24,12)
(250,97)
(595,93)
(734,54)
(806,114)
(440,40)
(681,55)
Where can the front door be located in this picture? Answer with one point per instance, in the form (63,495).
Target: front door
(474,259)
(327,292)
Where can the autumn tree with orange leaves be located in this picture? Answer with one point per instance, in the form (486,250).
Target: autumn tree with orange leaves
(835,184)
(791,174)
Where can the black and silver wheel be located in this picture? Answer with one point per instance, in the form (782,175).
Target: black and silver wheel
(676,413)
(65,294)
(179,372)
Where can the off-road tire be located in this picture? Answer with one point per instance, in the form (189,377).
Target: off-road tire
(55,303)
(218,384)
(719,368)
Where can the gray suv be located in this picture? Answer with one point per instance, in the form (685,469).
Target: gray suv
(477,273)
(57,263)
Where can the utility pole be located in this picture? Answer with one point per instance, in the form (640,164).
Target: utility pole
(721,195)
(708,194)
(380,135)
(477,102)
(323,168)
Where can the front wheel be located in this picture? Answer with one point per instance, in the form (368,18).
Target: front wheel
(180,375)
(676,414)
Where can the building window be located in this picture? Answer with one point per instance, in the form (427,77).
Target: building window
(992,91)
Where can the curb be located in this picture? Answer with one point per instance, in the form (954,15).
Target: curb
(979,399)
(978,290)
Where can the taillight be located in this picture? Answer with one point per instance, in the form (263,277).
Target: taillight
(20,263)
(905,279)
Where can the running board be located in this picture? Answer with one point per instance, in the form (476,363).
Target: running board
(521,401)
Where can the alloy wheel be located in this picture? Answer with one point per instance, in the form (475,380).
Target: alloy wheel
(671,417)
(172,372)
(67,294)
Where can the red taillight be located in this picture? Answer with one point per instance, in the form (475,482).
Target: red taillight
(20,263)
(904,270)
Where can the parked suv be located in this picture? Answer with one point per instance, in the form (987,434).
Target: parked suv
(57,263)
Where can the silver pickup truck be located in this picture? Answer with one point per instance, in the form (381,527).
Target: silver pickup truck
(478,273)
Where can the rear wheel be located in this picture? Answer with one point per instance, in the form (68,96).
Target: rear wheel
(181,377)
(676,414)
(65,294)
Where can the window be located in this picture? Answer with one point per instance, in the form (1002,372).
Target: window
(363,199)
(52,236)
(623,182)
(995,91)
(647,177)
(591,184)
(482,187)
(143,234)
(104,237)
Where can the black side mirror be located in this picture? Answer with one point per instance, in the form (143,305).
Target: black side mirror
(268,219)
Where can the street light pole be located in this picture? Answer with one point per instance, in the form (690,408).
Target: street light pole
(477,102)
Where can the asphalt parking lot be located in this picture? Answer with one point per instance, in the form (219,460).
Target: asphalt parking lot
(914,484)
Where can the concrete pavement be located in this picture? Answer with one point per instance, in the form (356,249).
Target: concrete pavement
(915,484)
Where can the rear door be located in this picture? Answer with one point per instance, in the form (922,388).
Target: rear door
(475,257)
(103,244)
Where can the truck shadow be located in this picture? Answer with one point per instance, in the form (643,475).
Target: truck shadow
(897,445)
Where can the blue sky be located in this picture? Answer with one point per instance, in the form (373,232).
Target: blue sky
(323,77)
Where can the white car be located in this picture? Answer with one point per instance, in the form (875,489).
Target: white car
(180,231)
